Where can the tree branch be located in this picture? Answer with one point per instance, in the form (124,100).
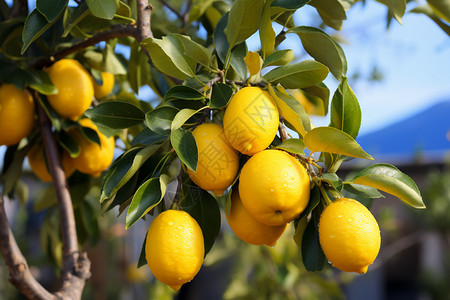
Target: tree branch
(19,272)
(76,265)
(114,32)
(143,20)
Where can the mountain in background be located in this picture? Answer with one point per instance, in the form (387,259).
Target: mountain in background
(424,136)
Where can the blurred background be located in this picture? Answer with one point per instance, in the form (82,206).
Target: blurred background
(401,78)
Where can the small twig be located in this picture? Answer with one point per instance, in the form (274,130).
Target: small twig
(176,199)
(284,135)
(114,32)
(19,8)
(186,14)
(172,9)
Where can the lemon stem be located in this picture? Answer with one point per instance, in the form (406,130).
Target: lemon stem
(324,195)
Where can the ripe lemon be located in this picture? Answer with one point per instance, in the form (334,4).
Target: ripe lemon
(349,235)
(36,159)
(247,228)
(251,120)
(218,161)
(93,159)
(101,91)
(75,89)
(274,187)
(174,248)
(16,114)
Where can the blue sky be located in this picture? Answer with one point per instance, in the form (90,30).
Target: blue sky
(414,59)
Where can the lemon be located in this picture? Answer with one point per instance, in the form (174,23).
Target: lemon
(274,187)
(247,228)
(103,90)
(251,120)
(16,114)
(38,164)
(349,235)
(218,161)
(174,248)
(93,159)
(75,89)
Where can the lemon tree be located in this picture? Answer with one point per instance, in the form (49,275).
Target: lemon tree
(225,132)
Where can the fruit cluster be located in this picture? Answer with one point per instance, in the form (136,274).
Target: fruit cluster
(75,91)
(271,190)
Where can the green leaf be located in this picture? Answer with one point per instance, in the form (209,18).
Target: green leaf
(147,137)
(243,20)
(332,179)
(116,114)
(220,96)
(266,32)
(391,180)
(318,93)
(220,39)
(90,134)
(184,144)
(183,116)
(148,195)
(142,259)
(323,48)
(237,60)
(312,254)
(50,8)
(70,145)
(292,145)
(298,75)
(160,119)
(332,12)
(279,58)
(362,190)
(111,62)
(166,56)
(332,140)
(73,16)
(289,4)
(35,25)
(314,200)
(194,50)
(441,8)
(203,207)
(428,11)
(398,8)
(300,227)
(40,81)
(183,92)
(291,110)
(103,9)
(124,169)
(345,110)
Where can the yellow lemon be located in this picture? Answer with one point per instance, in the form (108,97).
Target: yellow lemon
(349,235)
(274,187)
(247,228)
(218,161)
(251,120)
(101,91)
(174,248)
(16,114)
(36,159)
(75,89)
(93,159)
